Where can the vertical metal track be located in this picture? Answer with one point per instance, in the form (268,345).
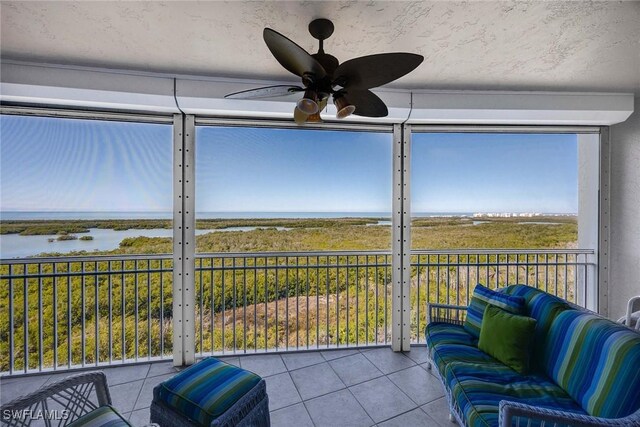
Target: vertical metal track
(396,246)
(601,303)
(406,238)
(401,237)
(183,240)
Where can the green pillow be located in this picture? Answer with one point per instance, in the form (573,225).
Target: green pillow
(507,337)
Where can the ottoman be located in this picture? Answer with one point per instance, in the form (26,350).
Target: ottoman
(211,393)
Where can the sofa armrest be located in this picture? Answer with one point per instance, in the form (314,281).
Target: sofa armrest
(524,414)
(446,313)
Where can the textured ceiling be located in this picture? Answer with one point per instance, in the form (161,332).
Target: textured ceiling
(561,46)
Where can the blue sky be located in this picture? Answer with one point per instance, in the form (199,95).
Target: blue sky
(278,170)
(52,164)
(78,165)
(494,173)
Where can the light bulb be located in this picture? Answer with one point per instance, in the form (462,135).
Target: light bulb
(299,117)
(308,103)
(314,118)
(345,109)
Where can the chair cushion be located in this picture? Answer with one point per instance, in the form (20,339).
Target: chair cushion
(596,361)
(452,342)
(483,296)
(507,337)
(478,388)
(104,416)
(448,333)
(206,390)
(544,308)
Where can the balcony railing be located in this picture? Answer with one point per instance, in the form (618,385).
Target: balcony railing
(448,276)
(292,301)
(71,312)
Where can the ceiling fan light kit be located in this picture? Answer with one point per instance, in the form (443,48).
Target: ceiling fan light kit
(323,76)
(307,104)
(344,108)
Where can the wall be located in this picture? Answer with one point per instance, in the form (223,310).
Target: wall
(625,213)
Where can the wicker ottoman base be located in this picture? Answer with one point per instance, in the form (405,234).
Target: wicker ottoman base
(250,410)
(257,416)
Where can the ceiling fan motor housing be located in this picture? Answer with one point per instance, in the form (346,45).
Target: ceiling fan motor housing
(321,28)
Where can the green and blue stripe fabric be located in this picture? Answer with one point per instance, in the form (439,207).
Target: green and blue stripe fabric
(206,390)
(448,333)
(483,296)
(544,308)
(104,416)
(448,342)
(478,389)
(596,361)
(445,354)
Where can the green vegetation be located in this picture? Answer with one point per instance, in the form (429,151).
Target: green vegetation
(67,237)
(40,227)
(261,302)
(86,238)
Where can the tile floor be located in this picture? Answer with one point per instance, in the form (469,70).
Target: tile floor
(363,387)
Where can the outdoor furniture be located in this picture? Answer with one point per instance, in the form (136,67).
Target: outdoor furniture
(584,368)
(632,318)
(211,393)
(78,400)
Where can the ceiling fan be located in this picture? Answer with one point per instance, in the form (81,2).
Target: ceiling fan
(323,76)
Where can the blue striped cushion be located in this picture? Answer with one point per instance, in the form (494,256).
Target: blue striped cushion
(206,390)
(448,333)
(104,416)
(479,388)
(483,296)
(451,342)
(445,354)
(597,362)
(544,308)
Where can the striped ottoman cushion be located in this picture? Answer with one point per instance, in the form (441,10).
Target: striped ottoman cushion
(104,416)
(204,391)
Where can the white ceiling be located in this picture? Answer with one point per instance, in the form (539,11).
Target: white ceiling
(559,46)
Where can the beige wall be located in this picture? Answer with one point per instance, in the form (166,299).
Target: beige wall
(625,213)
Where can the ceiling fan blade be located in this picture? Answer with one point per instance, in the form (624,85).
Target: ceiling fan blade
(372,71)
(367,103)
(265,92)
(291,56)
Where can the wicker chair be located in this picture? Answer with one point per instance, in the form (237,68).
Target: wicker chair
(67,399)
(632,318)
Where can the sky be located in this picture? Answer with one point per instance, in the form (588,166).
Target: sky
(52,164)
(494,173)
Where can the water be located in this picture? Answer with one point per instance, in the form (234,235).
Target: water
(17,246)
(50,215)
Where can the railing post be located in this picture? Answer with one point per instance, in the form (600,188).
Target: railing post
(401,237)
(183,240)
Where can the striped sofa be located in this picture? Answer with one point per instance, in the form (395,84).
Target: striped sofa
(585,369)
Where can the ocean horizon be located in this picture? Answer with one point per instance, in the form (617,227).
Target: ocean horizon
(101,215)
